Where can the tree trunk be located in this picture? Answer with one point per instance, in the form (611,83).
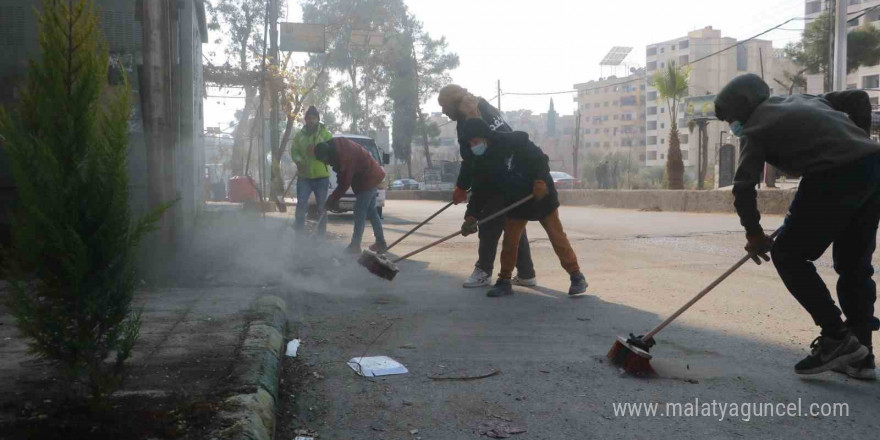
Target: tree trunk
(674,164)
(409,168)
(424,139)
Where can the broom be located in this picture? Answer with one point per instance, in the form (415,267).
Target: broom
(631,353)
(382,266)
(279,201)
(444,208)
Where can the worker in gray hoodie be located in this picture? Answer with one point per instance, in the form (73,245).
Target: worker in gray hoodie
(825,140)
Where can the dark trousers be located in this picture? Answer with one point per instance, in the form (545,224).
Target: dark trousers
(490,234)
(842,207)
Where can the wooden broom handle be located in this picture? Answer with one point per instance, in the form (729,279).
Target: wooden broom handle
(419,226)
(702,293)
(451,236)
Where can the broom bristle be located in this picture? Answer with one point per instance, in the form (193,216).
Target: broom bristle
(633,360)
(378,265)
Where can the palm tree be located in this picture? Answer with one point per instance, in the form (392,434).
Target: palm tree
(672,86)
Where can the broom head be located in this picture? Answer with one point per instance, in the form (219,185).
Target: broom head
(378,264)
(632,355)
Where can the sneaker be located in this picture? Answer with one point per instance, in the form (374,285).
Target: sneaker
(578,284)
(864,369)
(502,288)
(525,282)
(378,247)
(478,279)
(829,353)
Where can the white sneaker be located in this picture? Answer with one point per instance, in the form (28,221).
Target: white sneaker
(525,282)
(478,279)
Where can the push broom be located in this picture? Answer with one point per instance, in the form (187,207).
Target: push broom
(444,208)
(631,353)
(382,266)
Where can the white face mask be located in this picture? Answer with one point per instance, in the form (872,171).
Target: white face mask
(479,149)
(736,128)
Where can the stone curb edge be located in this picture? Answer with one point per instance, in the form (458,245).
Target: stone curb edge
(253,413)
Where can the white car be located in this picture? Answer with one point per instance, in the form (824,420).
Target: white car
(347,201)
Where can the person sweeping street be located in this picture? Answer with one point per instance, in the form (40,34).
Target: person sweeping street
(825,140)
(312,174)
(525,171)
(486,194)
(356,169)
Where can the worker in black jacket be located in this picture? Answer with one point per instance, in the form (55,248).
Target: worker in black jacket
(485,196)
(526,171)
(825,140)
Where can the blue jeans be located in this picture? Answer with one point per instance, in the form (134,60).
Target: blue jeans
(304,189)
(365,207)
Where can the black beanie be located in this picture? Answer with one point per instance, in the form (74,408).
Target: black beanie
(313,111)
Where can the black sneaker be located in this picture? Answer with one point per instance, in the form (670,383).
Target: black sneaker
(379,248)
(578,284)
(864,369)
(829,353)
(502,288)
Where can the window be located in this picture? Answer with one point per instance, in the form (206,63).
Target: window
(662,109)
(652,96)
(614,103)
(684,154)
(661,50)
(683,138)
(662,64)
(875,101)
(682,60)
(814,7)
(596,145)
(662,125)
(652,110)
(615,118)
(652,125)
(742,58)
(587,131)
(662,156)
(628,100)
(606,103)
(652,140)
(606,131)
(871,82)
(615,131)
(605,118)
(642,87)
(848,87)
(652,155)
(652,51)
(684,44)
(662,141)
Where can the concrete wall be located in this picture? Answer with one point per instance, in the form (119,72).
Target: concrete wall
(769,201)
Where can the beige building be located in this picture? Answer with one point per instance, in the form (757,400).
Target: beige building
(707,77)
(613,114)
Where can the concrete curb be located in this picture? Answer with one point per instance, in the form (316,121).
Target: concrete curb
(769,201)
(252,413)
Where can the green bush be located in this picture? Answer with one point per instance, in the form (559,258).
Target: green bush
(71,262)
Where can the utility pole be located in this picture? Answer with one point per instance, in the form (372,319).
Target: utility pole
(499,95)
(577,144)
(839,77)
(274,134)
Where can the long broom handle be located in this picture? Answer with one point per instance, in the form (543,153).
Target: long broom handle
(483,221)
(702,293)
(419,226)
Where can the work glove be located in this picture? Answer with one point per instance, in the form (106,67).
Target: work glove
(459,195)
(332,205)
(758,246)
(469,226)
(539,189)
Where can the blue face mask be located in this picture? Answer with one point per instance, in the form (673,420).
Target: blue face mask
(479,149)
(736,128)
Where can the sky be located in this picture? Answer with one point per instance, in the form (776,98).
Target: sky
(550,45)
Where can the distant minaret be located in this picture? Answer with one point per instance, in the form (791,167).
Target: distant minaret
(551,120)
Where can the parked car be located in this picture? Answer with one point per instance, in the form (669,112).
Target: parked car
(564,180)
(404,184)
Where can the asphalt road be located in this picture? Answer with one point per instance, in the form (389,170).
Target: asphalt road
(737,346)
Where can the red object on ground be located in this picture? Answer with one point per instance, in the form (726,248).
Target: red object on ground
(242,189)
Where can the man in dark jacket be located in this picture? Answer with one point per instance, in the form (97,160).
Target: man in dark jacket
(525,172)
(485,195)
(356,169)
(825,140)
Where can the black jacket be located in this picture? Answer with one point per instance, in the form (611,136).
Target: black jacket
(512,163)
(799,134)
(493,118)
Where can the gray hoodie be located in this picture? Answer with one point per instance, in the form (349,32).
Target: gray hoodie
(799,134)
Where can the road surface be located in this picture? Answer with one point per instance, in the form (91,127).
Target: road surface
(737,347)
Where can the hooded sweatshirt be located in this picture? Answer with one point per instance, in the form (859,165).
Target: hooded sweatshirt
(512,163)
(299,152)
(798,134)
(466,177)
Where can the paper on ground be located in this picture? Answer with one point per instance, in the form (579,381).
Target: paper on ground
(292,347)
(376,366)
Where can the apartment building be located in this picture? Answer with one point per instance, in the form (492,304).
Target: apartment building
(709,73)
(613,113)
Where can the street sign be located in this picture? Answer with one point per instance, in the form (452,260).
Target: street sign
(302,37)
